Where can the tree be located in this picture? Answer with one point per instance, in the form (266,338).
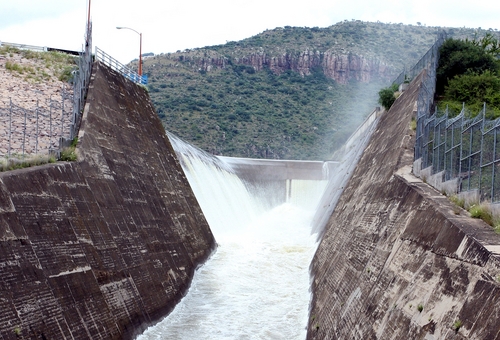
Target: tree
(458,57)
(386,96)
(474,89)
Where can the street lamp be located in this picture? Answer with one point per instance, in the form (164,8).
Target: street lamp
(140,47)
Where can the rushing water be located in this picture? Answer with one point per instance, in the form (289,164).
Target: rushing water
(256,285)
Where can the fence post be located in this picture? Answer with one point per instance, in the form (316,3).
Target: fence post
(62,111)
(10,125)
(36,137)
(492,192)
(50,124)
(24,131)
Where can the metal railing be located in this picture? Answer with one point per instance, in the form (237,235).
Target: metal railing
(24,46)
(35,131)
(114,64)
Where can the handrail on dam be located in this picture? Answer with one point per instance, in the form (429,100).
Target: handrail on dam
(114,64)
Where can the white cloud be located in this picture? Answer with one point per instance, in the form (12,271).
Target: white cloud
(171,26)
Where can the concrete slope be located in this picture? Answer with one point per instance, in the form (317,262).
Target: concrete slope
(398,260)
(101,247)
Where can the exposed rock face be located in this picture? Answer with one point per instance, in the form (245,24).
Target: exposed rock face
(340,67)
(398,260)
(30,130)
(101,247)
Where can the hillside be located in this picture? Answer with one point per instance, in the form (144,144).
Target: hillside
(28,80)
(286,93)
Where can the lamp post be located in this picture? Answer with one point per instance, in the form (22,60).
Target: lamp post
(140,47)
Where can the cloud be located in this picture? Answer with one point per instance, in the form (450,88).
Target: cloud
(23,11)
(170,26)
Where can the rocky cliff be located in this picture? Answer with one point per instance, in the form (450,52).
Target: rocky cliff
(339,66)
(398,260)
(101,247)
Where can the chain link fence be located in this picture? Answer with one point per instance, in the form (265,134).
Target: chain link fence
(34,131)
(462,153)
(50,126)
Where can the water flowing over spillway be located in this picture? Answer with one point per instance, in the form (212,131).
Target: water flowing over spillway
(256,284)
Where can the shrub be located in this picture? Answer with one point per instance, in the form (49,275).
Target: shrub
(458,57)
(69,154)
(458,201)
(387,97)
(475,89)
(482,211)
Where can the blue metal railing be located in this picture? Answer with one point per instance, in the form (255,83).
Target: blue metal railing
(114,64)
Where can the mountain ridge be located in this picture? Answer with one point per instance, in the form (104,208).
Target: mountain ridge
(289,92)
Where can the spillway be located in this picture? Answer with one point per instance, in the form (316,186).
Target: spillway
(256,284)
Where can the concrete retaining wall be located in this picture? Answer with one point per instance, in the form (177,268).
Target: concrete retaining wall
(101,247)
(397,259)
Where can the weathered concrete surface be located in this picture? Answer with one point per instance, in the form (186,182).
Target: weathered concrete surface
(101,247)
(398,260)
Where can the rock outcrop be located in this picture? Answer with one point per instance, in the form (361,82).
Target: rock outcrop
(342,67)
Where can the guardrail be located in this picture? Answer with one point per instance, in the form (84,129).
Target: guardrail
(114,64)
(38,48)
(24,46)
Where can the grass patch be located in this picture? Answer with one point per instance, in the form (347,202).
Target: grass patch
(20,162)
(482,211)
(413,124)
(50,65)
(458,201)
(69,154)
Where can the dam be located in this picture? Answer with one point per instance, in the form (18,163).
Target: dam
(107,246)
(261,213)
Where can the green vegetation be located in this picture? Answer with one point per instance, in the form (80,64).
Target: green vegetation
(481,211)
(456,325)
(69,154)
(420,308)
(468,73)
(458,201)
(413,124)
(387,96)
(24,161)
(16,161)
(17,331)
(56,65)
(272,95)
(261,114)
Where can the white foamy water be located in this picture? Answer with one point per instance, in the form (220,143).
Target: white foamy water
(256,285)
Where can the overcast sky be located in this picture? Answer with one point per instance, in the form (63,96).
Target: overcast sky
(168,26)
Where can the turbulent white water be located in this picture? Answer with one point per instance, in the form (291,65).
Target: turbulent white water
(256,285)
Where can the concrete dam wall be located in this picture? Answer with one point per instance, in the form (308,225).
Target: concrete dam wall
(397,259)
(101,247)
